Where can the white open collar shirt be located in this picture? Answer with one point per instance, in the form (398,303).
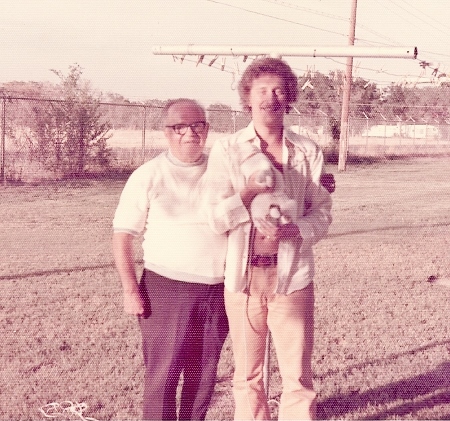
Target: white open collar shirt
(302,168)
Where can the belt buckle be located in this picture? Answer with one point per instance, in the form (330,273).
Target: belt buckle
(265,260)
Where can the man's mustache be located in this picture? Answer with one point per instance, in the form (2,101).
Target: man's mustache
(274,106)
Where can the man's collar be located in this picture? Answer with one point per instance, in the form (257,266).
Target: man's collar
(174,160)
(249,135)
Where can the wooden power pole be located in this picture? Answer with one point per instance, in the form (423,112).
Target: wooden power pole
(2,140)
(343,139)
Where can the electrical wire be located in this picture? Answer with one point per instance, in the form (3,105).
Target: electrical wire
(277,18)
(424,63)
(306,9)
(419,18)
(327,15)
(331,16)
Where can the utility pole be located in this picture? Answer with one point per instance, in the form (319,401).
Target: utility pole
(2,141)
(343,139)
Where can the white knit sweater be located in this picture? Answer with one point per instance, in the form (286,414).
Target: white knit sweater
(163,197)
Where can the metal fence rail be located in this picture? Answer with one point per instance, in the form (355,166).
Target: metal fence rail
(136,134)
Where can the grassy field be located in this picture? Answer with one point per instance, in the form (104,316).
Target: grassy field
(382,347)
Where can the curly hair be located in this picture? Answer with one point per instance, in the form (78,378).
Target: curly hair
(268,65)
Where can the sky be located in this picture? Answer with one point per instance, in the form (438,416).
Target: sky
(112,41)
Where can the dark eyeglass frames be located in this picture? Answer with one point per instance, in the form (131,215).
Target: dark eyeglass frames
(197,127)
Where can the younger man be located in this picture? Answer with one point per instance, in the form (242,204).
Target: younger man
(269,271)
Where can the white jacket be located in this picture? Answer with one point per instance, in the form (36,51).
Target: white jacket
(302,168)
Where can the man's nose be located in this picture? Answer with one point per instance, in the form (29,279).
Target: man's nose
(274,93)
(274,96)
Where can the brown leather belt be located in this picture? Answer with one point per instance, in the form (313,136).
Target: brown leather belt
(262,261)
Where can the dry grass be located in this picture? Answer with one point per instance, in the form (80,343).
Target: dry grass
(382,331)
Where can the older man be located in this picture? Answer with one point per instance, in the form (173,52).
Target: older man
(179,300)
(269,269)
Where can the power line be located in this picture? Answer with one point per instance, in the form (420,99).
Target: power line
(359,25)
(424,63)
(419,18)
(306,9)
(436,54)
(336,17)
(422,12)
(327,15)
(277,18)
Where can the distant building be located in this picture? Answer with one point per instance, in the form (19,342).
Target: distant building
(413,131)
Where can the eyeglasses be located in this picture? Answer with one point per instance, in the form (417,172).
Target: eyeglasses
(197,127)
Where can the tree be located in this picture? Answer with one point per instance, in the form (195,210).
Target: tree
(70,134)
(364,98)
(319,100)
(395,104)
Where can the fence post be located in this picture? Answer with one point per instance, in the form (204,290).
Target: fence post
(144,122)
(367,131)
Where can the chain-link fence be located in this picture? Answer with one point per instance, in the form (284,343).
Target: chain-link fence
(369,136)
(135,135)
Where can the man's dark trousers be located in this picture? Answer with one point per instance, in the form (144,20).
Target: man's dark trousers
(183,330)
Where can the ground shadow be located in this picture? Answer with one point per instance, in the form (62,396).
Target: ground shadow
(415,391)
(386,359)
(56,271)
(59,271)
(391,228)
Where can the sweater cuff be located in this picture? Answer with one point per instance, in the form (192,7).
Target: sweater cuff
(240,212)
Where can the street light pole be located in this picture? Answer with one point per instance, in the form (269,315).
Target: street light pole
(343,139)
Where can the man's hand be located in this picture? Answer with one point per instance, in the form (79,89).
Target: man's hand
(133,303)
(123,256)
(327,180)
(277,232)
(289,231)
(254,188)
